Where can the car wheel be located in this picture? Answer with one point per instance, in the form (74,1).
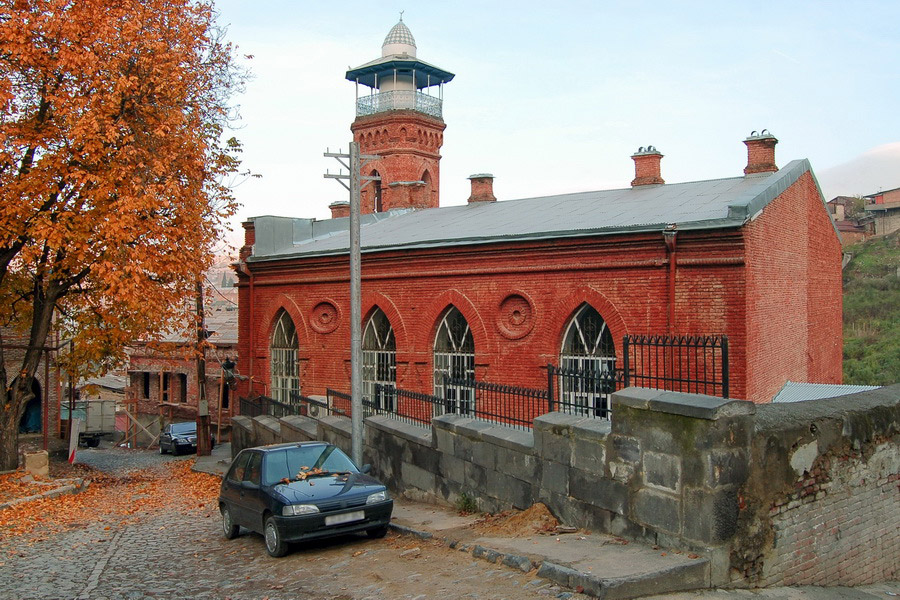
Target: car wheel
(377,533)
(175,450)
(275,545)
(228,525)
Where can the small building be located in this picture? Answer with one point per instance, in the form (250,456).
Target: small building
(498,290)
(885,206)
(163,385)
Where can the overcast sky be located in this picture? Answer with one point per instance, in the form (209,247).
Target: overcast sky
(554,97)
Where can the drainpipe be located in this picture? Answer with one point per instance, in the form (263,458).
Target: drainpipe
(670,236)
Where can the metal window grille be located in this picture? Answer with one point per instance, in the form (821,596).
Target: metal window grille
(284,359)
(379,360)
(454,359)
(587,364)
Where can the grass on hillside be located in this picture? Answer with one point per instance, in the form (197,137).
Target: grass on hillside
(872,312)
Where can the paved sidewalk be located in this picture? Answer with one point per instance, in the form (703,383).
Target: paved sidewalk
(597,564)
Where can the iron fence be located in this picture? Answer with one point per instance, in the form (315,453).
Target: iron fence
(263,405)
(583,392)
(505,404)
(339,403)
(404,405)
(399,100)
(692,364)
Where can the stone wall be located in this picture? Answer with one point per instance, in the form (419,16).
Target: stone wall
(773,494)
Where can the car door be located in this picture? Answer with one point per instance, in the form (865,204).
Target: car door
(232,487)
(165,439)
(253,498)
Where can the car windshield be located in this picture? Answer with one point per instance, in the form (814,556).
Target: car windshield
(184,427)
(290,462)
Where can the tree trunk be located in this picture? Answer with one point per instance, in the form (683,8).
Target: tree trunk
(9,431)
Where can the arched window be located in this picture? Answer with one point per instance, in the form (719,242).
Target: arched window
(284,359)
(376,186)
(588,360)
(454,357)
(379,359)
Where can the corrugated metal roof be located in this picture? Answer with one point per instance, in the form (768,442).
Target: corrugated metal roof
(799,392)
(707,204)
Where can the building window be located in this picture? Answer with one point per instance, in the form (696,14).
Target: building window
(454,357)
(146,378)
(284,359)
(589,353)
(379,355)
(165,387)
(376,186)
(182,387)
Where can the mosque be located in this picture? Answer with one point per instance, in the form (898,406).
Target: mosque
(498,290)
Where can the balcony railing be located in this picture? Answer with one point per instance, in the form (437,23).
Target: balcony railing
(399,100)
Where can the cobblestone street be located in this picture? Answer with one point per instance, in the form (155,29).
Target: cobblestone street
(171,549)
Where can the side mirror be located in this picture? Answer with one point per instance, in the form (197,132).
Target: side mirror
(365,469)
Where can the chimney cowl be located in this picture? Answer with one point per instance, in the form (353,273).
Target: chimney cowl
(760,152)
(646,166)
(482,188)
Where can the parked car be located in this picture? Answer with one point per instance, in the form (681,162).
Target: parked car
(301,491)
(181,437)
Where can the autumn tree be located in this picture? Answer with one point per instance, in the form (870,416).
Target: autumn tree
(113,173)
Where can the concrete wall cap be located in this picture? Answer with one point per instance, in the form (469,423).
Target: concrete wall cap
(512,439)
(554,420)
(417,434)
(592,429)
(338,423)
(698,406)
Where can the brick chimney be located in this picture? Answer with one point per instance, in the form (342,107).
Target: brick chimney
(482,188)
(339,209)
(249,239)
(646,166)
(760,152)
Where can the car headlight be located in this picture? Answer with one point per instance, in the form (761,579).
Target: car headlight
(299,509)
(377,497)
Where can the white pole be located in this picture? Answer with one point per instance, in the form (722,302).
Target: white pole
(356,408)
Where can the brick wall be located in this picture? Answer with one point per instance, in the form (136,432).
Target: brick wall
(773,287)
(793,294)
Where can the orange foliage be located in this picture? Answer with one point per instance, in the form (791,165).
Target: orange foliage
(114,173)
(120,501)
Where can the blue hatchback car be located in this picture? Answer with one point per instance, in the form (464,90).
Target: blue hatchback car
(301,491)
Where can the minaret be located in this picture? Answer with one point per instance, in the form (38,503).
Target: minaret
(402,122)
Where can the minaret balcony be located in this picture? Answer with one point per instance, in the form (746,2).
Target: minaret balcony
(399,100)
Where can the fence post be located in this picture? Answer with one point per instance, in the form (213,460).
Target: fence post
(549,387)
(725,366)
(626,361)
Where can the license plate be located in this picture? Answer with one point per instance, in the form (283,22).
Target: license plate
(345,518)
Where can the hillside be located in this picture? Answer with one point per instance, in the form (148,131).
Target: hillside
(872,312)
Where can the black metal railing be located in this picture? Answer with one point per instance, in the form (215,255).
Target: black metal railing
(404,405)
(689,363)
(312,407)
(339,402)
(263,405)
(583,392)
(509,405)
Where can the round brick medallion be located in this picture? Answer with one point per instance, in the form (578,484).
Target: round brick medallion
(324,317)
(515,317)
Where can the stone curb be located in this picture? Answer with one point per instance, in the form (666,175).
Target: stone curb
(77,485)
(691,576)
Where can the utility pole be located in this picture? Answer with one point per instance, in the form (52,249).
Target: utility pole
(356,162)
(202,402)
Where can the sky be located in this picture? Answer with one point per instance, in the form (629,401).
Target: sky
(554,97)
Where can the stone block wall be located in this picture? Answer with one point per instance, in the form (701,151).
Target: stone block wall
(805,493)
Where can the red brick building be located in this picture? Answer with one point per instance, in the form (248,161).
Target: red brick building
(497,290)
